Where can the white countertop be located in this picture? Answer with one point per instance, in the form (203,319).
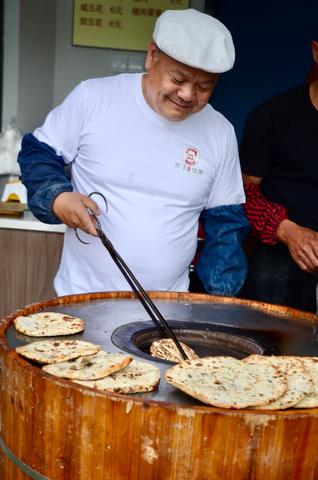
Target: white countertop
(29,222)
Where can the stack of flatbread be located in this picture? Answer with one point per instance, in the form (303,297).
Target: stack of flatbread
(81,361)
(85,363)
(302,379)
(262,382)
(114,372)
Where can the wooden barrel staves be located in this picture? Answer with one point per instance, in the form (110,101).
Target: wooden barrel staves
(54,429)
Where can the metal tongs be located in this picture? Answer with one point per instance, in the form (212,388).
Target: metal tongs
(155,315)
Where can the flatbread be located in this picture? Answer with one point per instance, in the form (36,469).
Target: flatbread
(137,377)
(227,382)
(311,400)
(166,349)
(48,324)
(90,367)
(300,382)
(54,351)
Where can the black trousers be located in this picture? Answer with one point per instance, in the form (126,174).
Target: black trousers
(274,277)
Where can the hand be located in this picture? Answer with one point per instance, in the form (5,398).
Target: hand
(302,244)
(71,209)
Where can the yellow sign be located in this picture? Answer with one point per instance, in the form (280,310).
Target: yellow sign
(123,24)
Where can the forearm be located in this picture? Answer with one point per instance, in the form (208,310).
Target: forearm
(222,265)
(263,215)
(42,172)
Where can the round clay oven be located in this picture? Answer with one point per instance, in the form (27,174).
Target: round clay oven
(54,429)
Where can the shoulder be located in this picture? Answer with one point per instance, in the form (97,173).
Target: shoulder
(282,103)
(104,84)
(218,122)
(99,94)
(216,116)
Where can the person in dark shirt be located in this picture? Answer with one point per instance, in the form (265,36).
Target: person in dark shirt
(279,160)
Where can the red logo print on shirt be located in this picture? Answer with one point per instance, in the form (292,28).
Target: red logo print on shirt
(191,156)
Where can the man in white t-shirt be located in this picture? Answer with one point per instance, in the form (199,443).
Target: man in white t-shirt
(162,157)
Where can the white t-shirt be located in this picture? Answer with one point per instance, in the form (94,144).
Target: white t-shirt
(157,176)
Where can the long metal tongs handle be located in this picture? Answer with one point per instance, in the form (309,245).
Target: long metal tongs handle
(142,295)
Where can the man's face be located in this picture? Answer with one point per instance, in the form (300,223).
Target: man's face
(173,89)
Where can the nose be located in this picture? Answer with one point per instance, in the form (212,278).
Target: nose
(186,92)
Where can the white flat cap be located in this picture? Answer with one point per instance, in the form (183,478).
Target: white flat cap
(195,39)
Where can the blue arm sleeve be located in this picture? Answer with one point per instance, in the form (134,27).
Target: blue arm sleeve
(222,265)
(42,172)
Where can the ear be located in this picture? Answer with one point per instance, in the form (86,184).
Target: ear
(152,54)
(314,47)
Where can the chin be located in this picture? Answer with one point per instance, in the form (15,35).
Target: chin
(175,115)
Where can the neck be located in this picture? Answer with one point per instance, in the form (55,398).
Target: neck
(313,92)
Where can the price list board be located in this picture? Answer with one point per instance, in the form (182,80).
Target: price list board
(119,24)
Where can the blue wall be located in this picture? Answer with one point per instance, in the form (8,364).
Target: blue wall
(273,52)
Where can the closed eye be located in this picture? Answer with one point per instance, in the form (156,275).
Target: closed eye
(177,81)
(203,88)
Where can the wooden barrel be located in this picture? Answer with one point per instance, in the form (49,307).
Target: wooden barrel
(54,429)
